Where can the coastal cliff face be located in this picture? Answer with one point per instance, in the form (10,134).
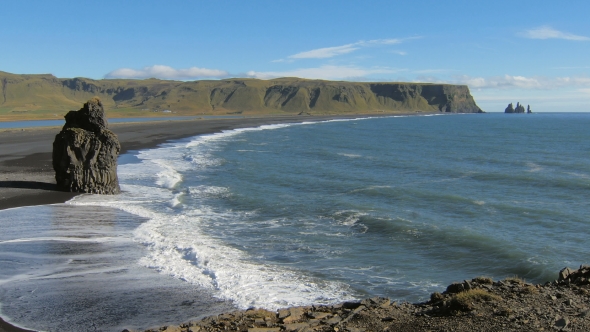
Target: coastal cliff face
(30,93)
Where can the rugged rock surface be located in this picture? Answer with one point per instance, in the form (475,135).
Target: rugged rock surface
(85,152)
(479,304)
(235,96)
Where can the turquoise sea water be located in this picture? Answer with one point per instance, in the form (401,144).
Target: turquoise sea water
(310,213)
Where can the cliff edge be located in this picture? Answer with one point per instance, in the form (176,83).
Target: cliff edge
(43,94)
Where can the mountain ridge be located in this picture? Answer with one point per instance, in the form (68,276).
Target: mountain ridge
(44,95)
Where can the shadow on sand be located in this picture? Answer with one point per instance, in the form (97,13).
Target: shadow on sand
(28,185)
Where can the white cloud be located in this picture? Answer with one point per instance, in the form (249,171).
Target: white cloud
(399,52)
(327,72)
(166,72)
(390,41)
(508,81)
(547,32)
(329,52)
(326,52)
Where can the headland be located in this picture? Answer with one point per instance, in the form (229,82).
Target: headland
(48,97)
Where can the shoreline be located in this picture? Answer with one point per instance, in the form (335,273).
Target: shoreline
(479,304)
(27,175)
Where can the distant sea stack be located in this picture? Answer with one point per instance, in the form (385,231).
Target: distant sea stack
(519,109)
(85,152)
(24,94)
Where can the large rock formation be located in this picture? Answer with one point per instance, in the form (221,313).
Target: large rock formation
(85,152)
(519,109)
(509,109)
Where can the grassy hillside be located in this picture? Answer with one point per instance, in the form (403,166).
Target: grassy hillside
(49,97)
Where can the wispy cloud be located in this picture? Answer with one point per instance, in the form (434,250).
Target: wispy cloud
(166,72)
(522,82)
(328,72)
(326,52)
(547,32)
(399,52)
(330,52)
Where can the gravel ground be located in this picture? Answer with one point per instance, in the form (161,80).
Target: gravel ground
(479,304)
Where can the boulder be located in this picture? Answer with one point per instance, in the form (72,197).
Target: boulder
(85,152)
(580,276)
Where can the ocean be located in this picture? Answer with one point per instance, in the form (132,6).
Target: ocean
(307,213)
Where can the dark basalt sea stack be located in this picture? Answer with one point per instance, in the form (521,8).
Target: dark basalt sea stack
(509,109)
(85,152)
(519,109)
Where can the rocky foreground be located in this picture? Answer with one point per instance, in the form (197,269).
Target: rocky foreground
(476,305)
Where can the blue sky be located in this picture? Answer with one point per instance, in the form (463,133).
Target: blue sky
(535,52)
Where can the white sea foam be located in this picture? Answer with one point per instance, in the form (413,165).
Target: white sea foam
(180,249)
(368,189)
(175,201)
(178,241)
(209,191)
(533,168)
(168,177)
(64,239)
(348,217)
(350,155)
(578,175)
